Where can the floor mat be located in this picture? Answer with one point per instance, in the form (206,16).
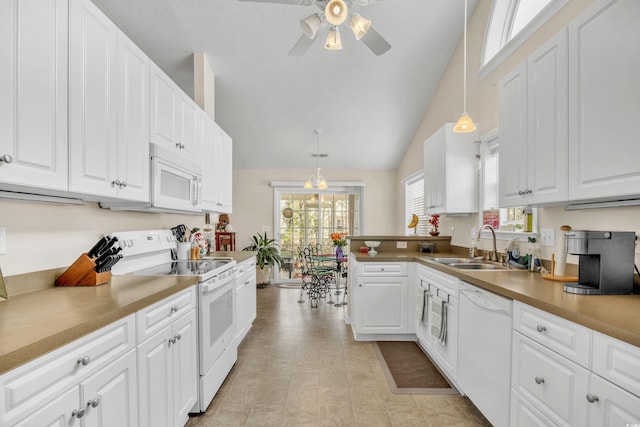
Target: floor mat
(408,370)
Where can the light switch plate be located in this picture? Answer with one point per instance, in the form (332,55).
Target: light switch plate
(3,241)
(401,245)
(547,237)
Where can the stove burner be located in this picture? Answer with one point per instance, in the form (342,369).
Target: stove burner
(183,268)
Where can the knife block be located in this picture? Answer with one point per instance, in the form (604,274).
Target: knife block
(81,273)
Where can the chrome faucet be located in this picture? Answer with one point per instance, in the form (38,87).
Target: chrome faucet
(494,254)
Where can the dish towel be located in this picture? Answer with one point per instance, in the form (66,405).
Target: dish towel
(439,319)
(425,301)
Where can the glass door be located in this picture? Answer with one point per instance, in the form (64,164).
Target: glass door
(305,217)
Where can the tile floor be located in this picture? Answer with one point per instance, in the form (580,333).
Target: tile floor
(300,366)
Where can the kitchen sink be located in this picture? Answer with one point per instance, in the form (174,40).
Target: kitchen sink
(469,264)
(450,261)
(477,266)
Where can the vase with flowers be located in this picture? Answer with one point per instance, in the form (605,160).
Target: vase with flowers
(339,241)
(434,220)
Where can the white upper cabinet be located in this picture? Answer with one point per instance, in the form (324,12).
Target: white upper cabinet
(216,167)
(533,107)
(604,65)
(174,117)
(33,84)
(108,105)
(450,172)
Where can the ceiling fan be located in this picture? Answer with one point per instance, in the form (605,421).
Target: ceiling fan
(334,13)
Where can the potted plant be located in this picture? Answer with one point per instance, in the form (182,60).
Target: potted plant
(267,256)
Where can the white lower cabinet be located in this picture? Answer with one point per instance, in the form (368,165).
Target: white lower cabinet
(110,396)
(61,387)
(566,375)
(433,289)
(168,374)
(382,301)
(245,298)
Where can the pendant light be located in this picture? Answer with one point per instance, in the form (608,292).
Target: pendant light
(317,181)
(465,124)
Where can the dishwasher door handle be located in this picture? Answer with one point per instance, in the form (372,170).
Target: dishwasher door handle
(479,299)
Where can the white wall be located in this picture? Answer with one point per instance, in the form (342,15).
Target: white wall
(482,104)
(253,198)
(42,236)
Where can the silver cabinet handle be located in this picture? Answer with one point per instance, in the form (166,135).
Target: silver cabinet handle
(116,183)
(6,158)
(539,380)
(78,413)
(173,340)
(84,361)
(124,183)
(174,309)
(541,328)
(178,336)
(94,402)
(360,285)
(592,398)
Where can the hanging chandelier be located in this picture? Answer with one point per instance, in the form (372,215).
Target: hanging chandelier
(317,180)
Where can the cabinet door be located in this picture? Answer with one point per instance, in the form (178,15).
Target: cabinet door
(434,170)
(92,120)
(57,413)
(549,382)
(188,123)
(155,381)
(184,352)
(604,66)
(547,127)
(33,84)
(110,396)
(245,302)
(381,304)
(512,99)
(613,407)
(162,105)
(224,168)
(132,103)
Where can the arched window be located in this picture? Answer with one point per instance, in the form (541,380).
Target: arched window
(511,22)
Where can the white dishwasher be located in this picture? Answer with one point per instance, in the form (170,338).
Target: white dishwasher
(484,351)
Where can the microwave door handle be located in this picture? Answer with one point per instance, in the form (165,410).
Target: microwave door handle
(194,186)
(199,191)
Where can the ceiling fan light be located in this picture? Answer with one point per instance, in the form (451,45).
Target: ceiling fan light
(336,12)
(308,184)
(333,40)
(359,25)
(310,25)
(464,124)
(322,185)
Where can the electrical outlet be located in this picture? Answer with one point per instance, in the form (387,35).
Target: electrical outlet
(3,241)
(547,237)
(401,245)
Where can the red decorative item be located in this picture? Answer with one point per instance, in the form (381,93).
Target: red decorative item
(434,220)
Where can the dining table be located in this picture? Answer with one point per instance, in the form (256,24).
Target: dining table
(337,264)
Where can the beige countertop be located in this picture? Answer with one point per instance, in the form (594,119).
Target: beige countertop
(35,323)
(614,315)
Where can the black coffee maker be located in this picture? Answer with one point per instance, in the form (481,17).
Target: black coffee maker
(606,260)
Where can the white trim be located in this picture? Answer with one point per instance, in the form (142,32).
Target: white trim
(416,175)
(300,184)
(508,48)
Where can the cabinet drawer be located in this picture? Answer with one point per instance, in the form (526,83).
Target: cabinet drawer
(444,281)
(525,415)
(246,267)
(617,361)
(38,382)
(550,382)
(563,336)
(155,317)
(383,269)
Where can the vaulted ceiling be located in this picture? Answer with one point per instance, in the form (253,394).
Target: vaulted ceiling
(368,107)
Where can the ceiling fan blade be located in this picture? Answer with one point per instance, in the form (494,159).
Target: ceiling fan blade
(375,41)
(302,46)
(294,2)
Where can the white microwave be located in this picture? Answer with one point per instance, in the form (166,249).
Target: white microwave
(176,183)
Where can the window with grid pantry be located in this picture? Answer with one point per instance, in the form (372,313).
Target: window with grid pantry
(414,204)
